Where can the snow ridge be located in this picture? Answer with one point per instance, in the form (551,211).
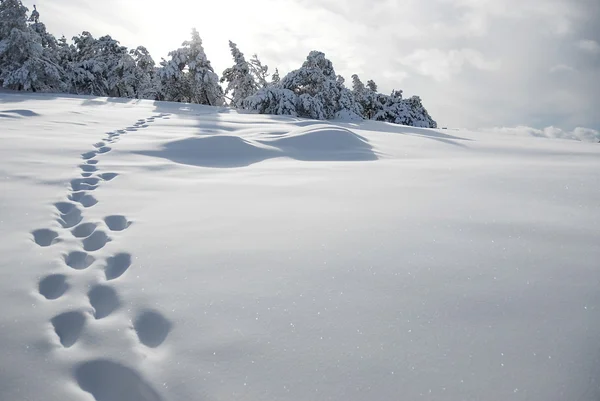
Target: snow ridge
(104,379)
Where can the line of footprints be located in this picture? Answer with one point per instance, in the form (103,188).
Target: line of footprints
(99,376)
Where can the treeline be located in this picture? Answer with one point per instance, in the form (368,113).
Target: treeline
(32,59)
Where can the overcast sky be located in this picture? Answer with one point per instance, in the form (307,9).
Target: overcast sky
(475,63)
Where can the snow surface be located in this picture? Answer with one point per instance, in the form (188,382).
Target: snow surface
(157,251)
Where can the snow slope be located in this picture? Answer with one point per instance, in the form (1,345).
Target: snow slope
(155,251)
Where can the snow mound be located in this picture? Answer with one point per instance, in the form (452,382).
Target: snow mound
(323,142)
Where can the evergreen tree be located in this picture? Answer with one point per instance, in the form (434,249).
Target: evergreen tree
(372,85)
(395,109)
(273,99)
(145,78)
(189,77)
(25,63)
(240,81)
(275,77)
(205,89)
(259,71)
(318,88)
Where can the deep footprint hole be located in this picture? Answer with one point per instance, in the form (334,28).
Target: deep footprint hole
(53,286)
(79,260)
(152,328)
(104,300)
(84,230)
(68,326)
(96,241)
(117,265)
(117,222)
(106,380)
(44,237)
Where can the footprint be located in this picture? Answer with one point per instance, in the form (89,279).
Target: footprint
(88,201)
(64,207)
(44,237)
(117,265)
(117,223)
(88,168)
(85,175)
(131,129)
(104,300)
(53,286)
(106,380)
(78,260)
(152,328)
(108,176)
(99,145)
(84,184)
(70,219)
(104,149)
(84,230)
(92,162)
(121,131)
(96,241)
(68,326)
(77,196)
(88,155)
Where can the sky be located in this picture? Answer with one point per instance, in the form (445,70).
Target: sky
(474,63)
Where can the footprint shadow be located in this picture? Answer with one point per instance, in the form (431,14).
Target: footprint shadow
(152,328)
(117,265)
(45,237)
(68,326)
(106,380)
(53,286)
(96,241)
(104,300)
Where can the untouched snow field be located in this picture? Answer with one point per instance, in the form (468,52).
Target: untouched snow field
(165,252)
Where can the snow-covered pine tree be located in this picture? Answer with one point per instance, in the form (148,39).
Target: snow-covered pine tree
(189,77)
(239,78)
(174,83)
(419,117)
(101,67)
(359,94)
(87,72)
(120,68)
(348,107)
(273,99)
(275,79)
(395,109)
(318,89)
(25,63)
(13,15)
(205,83)
(259,71)
(372,85)
(145,77)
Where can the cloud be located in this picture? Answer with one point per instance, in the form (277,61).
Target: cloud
(562,68)
(442,65)
(590,46)
(577,134)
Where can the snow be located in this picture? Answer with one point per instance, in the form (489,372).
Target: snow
(160,251)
